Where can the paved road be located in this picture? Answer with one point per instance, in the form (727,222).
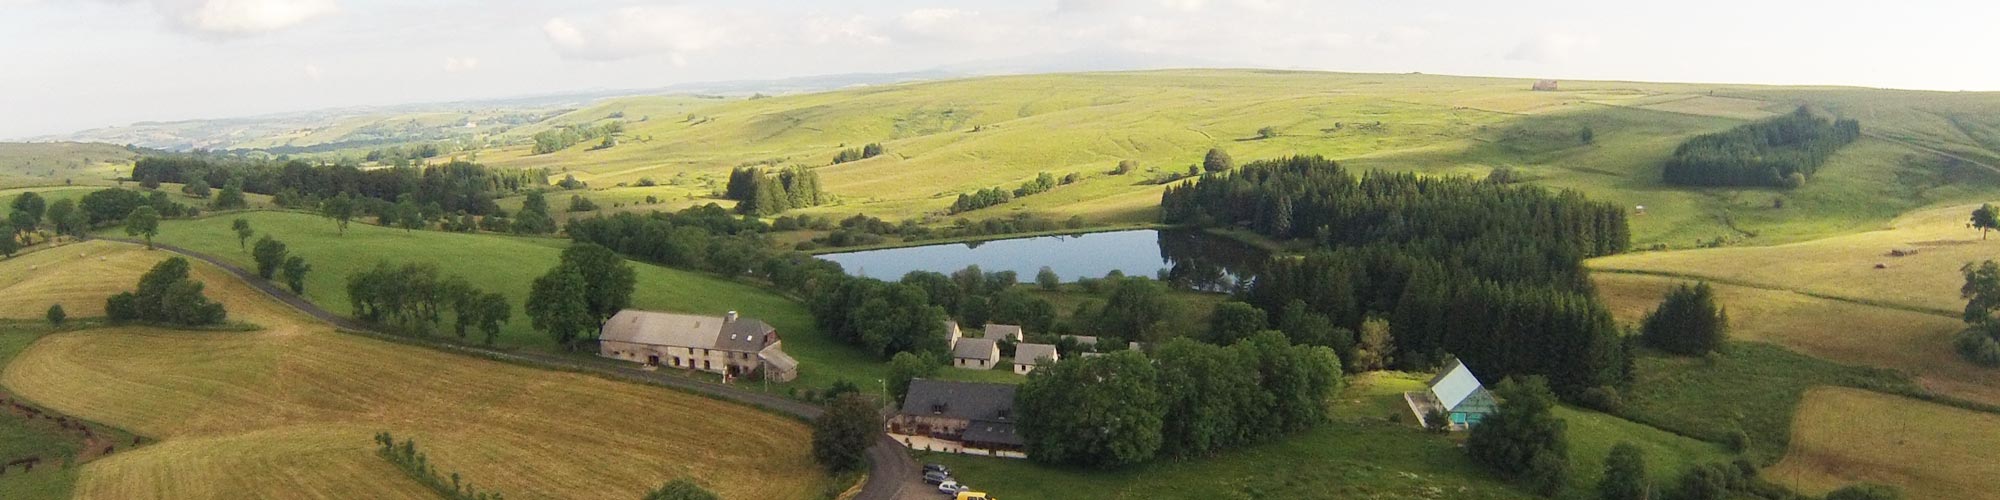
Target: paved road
(892,474)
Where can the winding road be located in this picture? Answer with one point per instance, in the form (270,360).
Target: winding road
(892,474)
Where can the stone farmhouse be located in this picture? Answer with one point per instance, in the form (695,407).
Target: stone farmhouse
(958,417)
(729,345)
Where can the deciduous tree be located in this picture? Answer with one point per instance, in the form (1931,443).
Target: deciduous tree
(1099,411)
(340,208)
(557,304)
(243,232)
(907,366)
(1524,439)
(842,435)
(1217,160)
(145,222)
(269,255)
(1986,218)
(295,269)
(1624,475)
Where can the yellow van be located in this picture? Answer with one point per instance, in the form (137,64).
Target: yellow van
(972,495)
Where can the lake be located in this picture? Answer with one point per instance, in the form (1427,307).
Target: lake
(1192,258)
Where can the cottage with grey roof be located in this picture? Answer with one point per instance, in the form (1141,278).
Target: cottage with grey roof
(1009,332)
(975,354)
(1028,356)
(729,345)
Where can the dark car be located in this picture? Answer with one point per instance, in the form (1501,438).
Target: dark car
(936,468)
(935,477)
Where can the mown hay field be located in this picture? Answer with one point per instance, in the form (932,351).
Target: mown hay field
(1844,436)
(289,411)
(1845,266)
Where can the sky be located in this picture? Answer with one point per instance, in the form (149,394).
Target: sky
(67,65)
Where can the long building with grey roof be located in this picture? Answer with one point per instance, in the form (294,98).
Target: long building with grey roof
(729,345)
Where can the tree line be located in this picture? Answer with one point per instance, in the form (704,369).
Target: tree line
(870,150)
(1781,151)
(992,196)
(1189,399)
(455,187)
(760,192)
(412,297)
(561,138)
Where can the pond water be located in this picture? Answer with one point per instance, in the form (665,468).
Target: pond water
(1191,258)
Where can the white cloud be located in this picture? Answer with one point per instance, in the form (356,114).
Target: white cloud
(675,31)
(313,72)
(1549,48)
(954,25)
(460,64)
(237,18)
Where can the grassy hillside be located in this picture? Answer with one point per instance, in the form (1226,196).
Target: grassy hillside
(948,137)
(1932,451)
(57,163)
(1844,267)
(289,410)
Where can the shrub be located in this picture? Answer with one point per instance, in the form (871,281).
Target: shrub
(1602,398)
(1688,322)
(1866,491)
(56,315)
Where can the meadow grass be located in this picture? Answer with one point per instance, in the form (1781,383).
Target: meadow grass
(1750,387)
(57,163)
(1915,343)
(289,411)
(1845,436)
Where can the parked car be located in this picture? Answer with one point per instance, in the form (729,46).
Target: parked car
(972,495)
(935,477)
(936,468)
(951,488)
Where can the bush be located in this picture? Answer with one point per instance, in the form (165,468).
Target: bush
(1737,440)
(842,435)
(1979,348)
(1602,398)
(56,315)
(1866,491)
(166,295)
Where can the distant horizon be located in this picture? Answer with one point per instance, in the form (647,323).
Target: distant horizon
(624,92)
(180,60)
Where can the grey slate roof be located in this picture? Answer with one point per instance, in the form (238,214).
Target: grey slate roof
(1033,354)
(976,349)
(989,431)
(685,330)
(982,401)
(994,331)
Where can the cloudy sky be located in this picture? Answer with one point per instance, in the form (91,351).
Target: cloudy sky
(74,64)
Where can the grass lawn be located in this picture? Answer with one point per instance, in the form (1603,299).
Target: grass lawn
(1370,450)
(508,264)
(1932,451)
(289,411)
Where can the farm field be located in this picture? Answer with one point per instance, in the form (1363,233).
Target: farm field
(1915,343)
(1360,455)
(292,407)
(1930,450)
(1844,266)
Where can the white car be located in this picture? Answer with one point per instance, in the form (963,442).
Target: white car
(951,487)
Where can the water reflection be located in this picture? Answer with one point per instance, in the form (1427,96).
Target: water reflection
(1188,258)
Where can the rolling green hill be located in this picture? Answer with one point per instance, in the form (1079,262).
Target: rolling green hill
(948,137)
(24,164)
